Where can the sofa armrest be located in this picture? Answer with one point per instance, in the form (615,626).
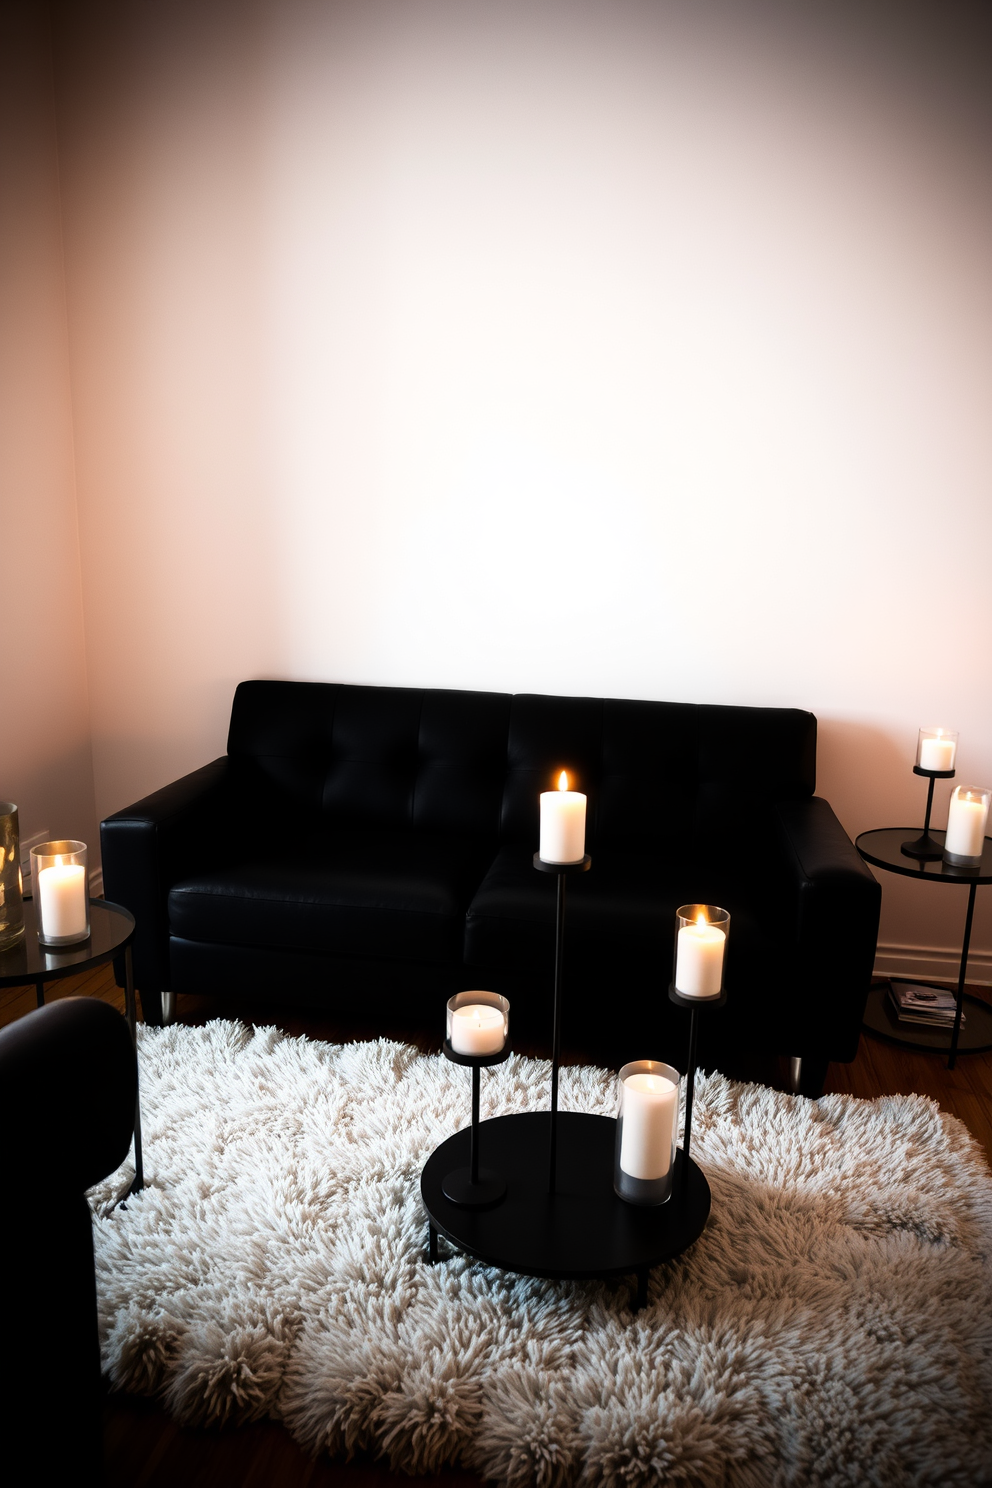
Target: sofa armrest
(836,901)
(68,1081)
(147,846)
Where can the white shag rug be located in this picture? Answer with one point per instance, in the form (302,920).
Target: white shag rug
(831,1326)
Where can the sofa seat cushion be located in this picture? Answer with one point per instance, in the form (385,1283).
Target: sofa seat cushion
(619,915)
(399,895)
(616,912)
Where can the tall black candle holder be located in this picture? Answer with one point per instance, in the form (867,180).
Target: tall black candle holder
(694,1004)
(925,846)
(563,870)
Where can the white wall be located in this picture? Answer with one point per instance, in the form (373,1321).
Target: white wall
(636,349)
(45,761)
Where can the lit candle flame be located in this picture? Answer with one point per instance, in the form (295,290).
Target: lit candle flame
(58,860)
(563,781)
(701,919)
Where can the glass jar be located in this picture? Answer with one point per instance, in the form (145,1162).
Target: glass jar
(61,892)
(647,1131)
(11,905)
(478,1023)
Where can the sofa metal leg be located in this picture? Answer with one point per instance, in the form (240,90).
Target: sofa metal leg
(807,1076)
(131,1013)
(158,1009)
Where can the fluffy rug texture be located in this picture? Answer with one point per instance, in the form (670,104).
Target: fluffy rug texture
(831,1326)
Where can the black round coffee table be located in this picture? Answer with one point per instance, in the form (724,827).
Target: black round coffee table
(30,963)
(582,1230)
(882,848)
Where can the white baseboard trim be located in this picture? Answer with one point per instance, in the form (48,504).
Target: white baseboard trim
(940,962)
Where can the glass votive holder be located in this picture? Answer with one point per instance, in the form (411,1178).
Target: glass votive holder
(478,1023)
(967,818)
(936,750)
(11,907)
(647,1131)
(701,937)
(61,892)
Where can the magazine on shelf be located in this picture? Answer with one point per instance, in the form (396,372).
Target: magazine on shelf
(933,1006)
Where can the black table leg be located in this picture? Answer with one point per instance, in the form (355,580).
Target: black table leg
(39,992)
(641,1299)
(130,1010)
(431,1244)
(961,975)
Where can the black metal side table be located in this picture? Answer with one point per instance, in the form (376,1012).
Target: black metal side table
(581,1230)
(30,963)
(883,849)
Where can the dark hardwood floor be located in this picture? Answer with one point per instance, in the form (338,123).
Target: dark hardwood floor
(146,1449)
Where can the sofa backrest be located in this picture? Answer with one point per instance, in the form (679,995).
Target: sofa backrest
(648,767)
(475,762)
(382,757)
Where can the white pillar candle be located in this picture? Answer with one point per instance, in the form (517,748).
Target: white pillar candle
(937,754)
(563,824)
(477,1028)
(62,900)
(967,815)
(650,1109)
(699,960)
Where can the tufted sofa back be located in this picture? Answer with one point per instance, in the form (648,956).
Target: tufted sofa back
(474,763)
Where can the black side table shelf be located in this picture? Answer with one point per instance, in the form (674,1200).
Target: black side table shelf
(27,962)
(885,848)
(559,1216)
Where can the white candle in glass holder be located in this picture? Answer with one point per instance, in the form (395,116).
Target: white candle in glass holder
(650,1109)
(62,899)
(699,960)
(563,824)
(967,814)
(937,753)
(477,1028)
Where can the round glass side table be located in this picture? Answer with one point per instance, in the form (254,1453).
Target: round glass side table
(29,963)
(883,849)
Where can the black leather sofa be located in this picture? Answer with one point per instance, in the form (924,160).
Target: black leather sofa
(68,1077)
(366,847)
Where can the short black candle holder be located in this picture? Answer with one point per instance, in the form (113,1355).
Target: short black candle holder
(693,1004)
(563,870)
(925,846)
(474,1187)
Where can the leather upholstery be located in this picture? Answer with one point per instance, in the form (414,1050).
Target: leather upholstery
(148,846)
(68,1079)
(361,838)
(378,758)
(67,1091)
(618,915)
(347,893)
